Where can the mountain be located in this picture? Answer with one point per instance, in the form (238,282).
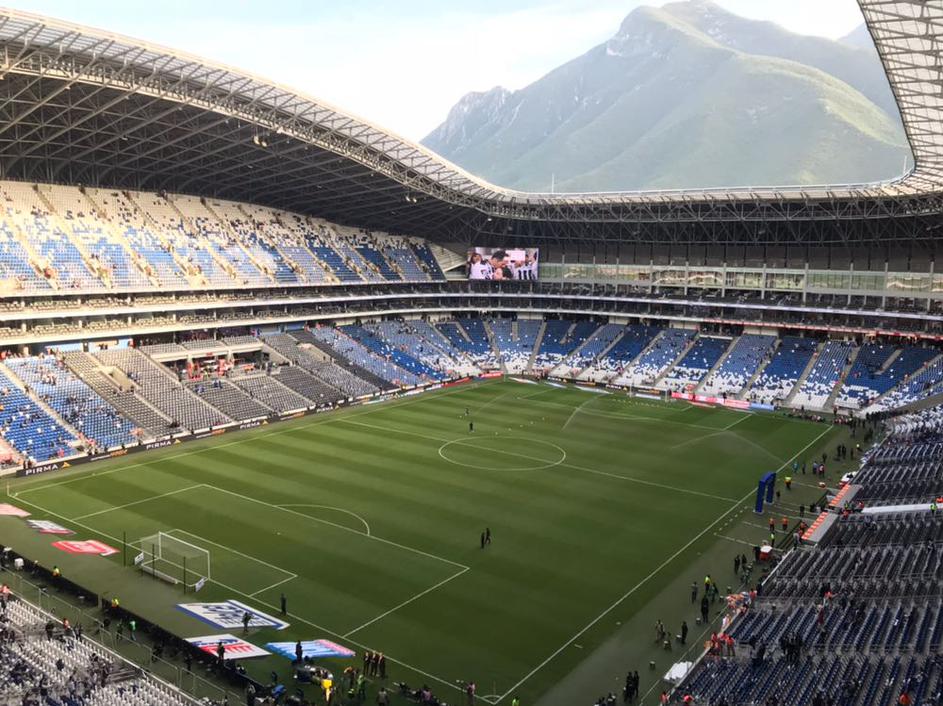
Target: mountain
(686,96)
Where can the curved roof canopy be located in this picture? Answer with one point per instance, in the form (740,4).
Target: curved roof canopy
(79,105)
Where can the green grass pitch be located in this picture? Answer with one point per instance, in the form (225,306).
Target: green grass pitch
(369,521)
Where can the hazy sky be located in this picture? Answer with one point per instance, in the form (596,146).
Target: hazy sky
(402,63)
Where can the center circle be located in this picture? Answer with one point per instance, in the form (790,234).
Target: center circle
(521,453)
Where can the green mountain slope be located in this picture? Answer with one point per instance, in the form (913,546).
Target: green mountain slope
(686,96)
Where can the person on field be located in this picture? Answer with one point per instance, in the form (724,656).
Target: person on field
(482,540)
(245,621)
(471,427)
(487,535)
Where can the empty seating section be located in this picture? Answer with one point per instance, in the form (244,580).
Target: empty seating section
(875,372)
(432,268)
(413,338)
(342,269)
(778,379)
(398,251)
(394,352)
(92,372)
(159,387)
(662,352)
(515,341)
(343,345)
(635,339)
(318,392)
(470,336)
(64,237)
(62,670)
(16,271)
(345,381)
(583,356)
(267,390)
(373,257)
(926,382)
(108,255)
(74,401)
(742,362)
(228,399)
(824,376)
(559,340)
(696,363)
(57,254)
(858,618)
(28,428)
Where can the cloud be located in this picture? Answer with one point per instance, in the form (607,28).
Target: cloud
(404,73)
(403,65)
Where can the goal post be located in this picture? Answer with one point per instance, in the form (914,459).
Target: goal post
(174,560)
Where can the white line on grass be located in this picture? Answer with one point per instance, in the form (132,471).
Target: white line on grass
(334,524)
(272,606)
(290,574)
(575,412)
(746,415)
(645,580)
(334,417)
(564,464)
(138,502)
(274,585)
(405,603)
(331,507)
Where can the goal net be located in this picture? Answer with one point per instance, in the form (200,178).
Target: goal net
(174,560)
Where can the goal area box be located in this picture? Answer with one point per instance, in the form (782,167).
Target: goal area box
(174,560)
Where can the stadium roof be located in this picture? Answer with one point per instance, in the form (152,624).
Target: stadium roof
(79,105)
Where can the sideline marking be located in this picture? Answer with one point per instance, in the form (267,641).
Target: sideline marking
(645,580)
(405,603)
(331,417)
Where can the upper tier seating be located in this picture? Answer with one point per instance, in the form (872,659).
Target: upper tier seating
(67,238)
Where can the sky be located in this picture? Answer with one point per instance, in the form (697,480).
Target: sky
(402,64)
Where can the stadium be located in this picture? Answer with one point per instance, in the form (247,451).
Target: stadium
(293,410)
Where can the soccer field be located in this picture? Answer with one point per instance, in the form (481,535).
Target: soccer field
(369,521)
